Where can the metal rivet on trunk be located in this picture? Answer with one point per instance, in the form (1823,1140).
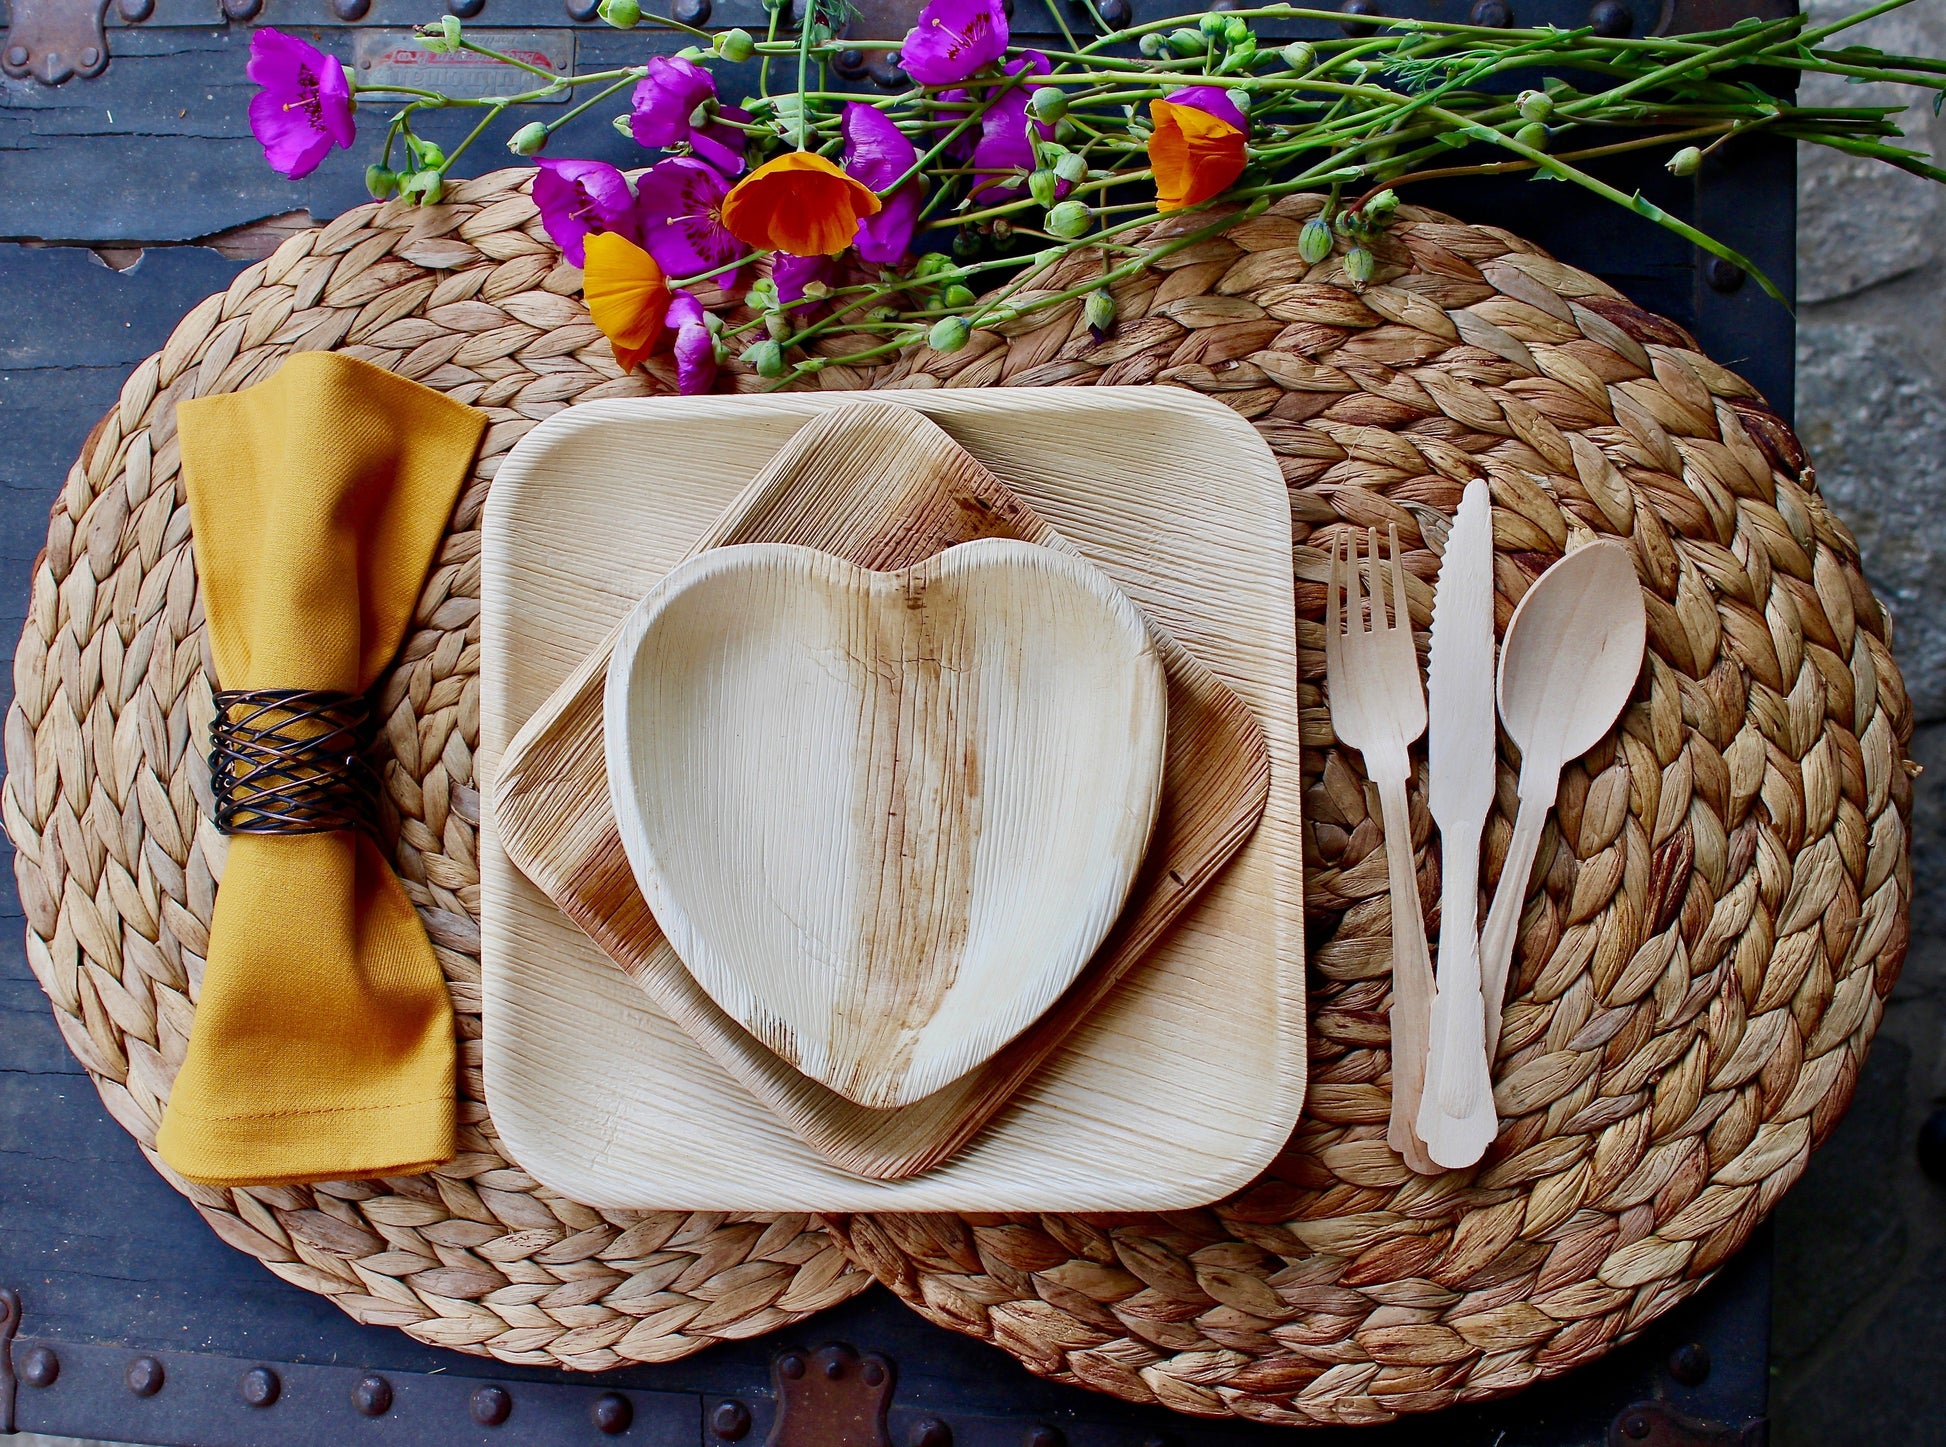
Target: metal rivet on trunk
(145,1376)
(730,1421)
(39,1366)
(490,1406)
(260,1387)
(613,1413)
(372,1396)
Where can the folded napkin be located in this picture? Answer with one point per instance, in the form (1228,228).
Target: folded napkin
(323,1042)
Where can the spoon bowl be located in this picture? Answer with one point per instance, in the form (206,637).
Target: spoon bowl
(1572,655)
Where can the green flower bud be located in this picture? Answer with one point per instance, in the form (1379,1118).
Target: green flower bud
(767,358)
(622,14)
(956,296)
(1069,220)
(1348,223)
(1099,309)
(425,153)
(778,326)
(1150,44)
(968,243)
(1003,230)
(931,264)
(1300,56)
(1532,135)
(1535,105)
(1685,162)
(425,187)
(1187,42)
(1314,241)
(949,334)
(624,127)
(1072,168)
(1043,187)
(1359,265)
(1236,30)
(762,295)
(878,314)
(1065,130)
(529,140)
(1241,56)
(381,181)
(1379,209)
(445,39)
(1212,24)
(735,46)
(1048,103)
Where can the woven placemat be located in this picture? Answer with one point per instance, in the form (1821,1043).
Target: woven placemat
(107,798)
(1726,888)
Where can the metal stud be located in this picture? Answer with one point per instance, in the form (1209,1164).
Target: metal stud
(613,1412)
(351,9)
(17,56)
(145,1376)
(1357,8)
(1115,13)
(1496,14)
(1690,1364)
(930,1432)
(730,1421)
(850,64)
(39,1366)
(1611,19)
(260,1387)
(1721,275)
(873,1372)
(1636,1426)
(583,9)
(791,1367)
(241,10)
(90,57)
(466,9)
(887,73)
(691,12)
(490,1406)
(372,1396)
(135,11)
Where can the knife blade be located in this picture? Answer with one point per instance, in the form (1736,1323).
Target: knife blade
(1456,1116)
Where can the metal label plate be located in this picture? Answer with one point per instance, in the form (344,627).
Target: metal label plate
(397,57)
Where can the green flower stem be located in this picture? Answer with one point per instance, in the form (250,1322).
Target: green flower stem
(473,135)
(596,99)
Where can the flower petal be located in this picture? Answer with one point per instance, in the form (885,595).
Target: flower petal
(1195,155)
(800,203)
(627,296)
(794,275)
(665,99)
(304,107)
(953,39)
(695,348)
(579,197)
(679,213)
(1213,100)
(877,152)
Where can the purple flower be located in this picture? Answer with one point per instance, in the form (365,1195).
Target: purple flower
(679,209)
(304,108)
(795,275)
(953,39)
(1005,143)
(577,197)
(878,153)
(1211,100)
(665,104)
(695,348)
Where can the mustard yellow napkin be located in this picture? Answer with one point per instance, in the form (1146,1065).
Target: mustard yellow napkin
(323,1042)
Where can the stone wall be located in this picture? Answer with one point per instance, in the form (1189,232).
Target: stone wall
(1860,1326)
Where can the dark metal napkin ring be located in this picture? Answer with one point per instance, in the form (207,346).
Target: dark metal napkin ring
(291,761)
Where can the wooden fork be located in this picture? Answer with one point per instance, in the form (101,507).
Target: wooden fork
(1378,706)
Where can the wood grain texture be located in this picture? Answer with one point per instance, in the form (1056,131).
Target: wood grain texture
(885,817)
(557,826)
(1169,1090)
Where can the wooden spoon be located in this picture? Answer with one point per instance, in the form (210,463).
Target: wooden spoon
(1569,663)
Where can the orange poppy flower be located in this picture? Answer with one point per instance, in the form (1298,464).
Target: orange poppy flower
(1195,155)
(800,203)
(627,296)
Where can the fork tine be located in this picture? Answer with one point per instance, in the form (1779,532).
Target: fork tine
(1373,586)
(1400,618)
(1333,659)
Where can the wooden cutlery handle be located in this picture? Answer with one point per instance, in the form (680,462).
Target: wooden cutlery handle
(1412,981)
(1503,919)
(1456,1117)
